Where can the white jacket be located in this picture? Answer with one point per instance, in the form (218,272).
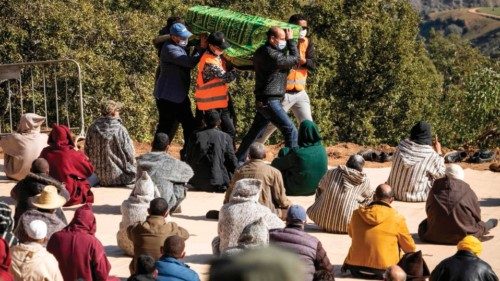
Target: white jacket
(32,262)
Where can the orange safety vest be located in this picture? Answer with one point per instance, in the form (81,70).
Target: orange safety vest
(297,77)
(214,93)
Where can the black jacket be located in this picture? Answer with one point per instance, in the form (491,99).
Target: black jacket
(463,266)
(271,70)
(210,154)
(30,186)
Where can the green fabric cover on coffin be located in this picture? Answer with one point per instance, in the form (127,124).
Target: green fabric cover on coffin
(244,32)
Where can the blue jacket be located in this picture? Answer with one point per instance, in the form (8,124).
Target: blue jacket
(170,269)
(175,72)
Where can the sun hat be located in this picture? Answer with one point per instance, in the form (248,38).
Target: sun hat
(48,199)
(37,229)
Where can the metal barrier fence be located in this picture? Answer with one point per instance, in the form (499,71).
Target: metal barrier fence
(47,88)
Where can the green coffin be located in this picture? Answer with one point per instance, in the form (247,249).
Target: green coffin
(244,32)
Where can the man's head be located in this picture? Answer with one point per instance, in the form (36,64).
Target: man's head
(257,151)
(40,166)
(395,273)
(276,36)
(158,207)
(384,193)
(454,171)
(179,34)
(212,118)
(174,247)
(300,20)
(111,108)
(145,265)
(160,142)
(217,43)
(356,162)
(37,231)
(296,216)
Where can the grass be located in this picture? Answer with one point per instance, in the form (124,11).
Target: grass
(490,10)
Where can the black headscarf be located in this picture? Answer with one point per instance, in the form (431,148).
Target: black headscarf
(421,133)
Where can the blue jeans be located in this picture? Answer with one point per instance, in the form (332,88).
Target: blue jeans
(269,111)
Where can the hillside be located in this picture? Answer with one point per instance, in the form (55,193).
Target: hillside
(471,24)
(429,6)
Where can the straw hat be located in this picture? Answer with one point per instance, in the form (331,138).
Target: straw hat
(48,199)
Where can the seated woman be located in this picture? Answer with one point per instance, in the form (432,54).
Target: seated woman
(453,211)
(303,167)
(110,148)
(417,163)
(135,209)
(68,165)
(22,148)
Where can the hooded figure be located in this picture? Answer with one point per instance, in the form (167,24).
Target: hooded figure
(453,210)
(416,165)
(22,148)
(254,235)
(5,261)
(243,209)
(110,149)
(135,209)
(68,165)
(341,191)
(79,253)
(303,167)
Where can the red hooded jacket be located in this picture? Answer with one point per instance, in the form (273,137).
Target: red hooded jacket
(5,261)
(79,253)
(68,165)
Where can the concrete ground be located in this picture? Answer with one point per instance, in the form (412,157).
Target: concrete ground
(486,184)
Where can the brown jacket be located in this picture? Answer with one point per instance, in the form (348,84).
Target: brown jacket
(148,237)
(273,193)
(452,213)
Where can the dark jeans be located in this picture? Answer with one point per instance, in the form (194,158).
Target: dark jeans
(171,114)
(269,111)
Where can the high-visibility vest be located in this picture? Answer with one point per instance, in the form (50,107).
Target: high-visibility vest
(297,77)
(214,93)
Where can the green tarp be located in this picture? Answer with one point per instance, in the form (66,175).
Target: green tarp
(244,32)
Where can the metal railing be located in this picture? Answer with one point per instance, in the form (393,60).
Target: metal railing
(30,81)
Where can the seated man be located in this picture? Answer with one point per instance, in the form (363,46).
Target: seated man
(148,236)
(168,174)
(273,191)
(294,238)
(211,155)
(465,265)
(30,260)
(7,225)
(241,210)
(110,148)
(303,167)
(23,147)
(169,265)
(453,211)
(134,209)
(69,166)
(346,188)
(46,204)
(80,254)
(378,233)
(32,185)
(416,165)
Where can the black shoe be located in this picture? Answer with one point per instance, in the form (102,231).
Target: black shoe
(370,155)
(212,214)
(385,157)
(455,156)
(482,156)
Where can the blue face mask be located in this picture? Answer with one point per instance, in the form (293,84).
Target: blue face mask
(281,44)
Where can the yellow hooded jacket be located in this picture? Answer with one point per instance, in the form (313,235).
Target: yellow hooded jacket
(378,232)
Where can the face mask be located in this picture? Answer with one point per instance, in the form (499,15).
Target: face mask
(183,43)
(303,33)
(282,44)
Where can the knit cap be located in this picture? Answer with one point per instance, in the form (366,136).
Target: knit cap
(470,243)
(37,229)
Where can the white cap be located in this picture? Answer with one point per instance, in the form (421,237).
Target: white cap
(37,229)
(455,171)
